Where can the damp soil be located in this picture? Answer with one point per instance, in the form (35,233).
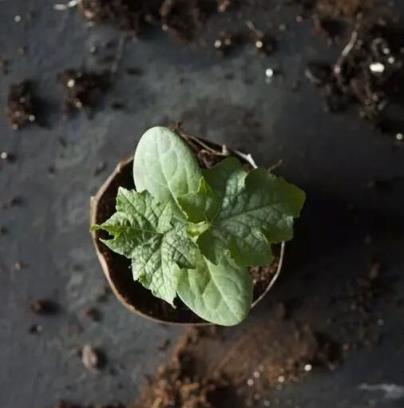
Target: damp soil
(368,75)
(213,367)
(182,18)
(118,267)
(247,365)
(82,89)
(22,105)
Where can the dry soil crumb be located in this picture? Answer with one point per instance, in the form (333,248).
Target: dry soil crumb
(342,8)
(44,307)
(130,16)
(214,370)
(21,105)
(182,18)
(83,89)
(368,74)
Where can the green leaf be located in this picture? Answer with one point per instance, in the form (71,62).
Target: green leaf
(221,294)
(202,205)
(252,216)
(227,177)
(165,166)
(158,244)
(156,262)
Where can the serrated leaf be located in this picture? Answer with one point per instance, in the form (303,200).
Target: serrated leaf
(165,166)
(202,205)
(158,244)
(156,262)
(138,217)
(227,177)
(221,294)
(252,217)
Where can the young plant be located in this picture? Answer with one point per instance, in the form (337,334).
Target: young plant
(193,233)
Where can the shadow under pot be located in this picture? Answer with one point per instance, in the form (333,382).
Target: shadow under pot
(117,268)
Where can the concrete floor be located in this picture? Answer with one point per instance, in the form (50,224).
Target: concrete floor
(333,157)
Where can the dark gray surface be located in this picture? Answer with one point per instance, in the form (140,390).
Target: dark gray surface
(333,157)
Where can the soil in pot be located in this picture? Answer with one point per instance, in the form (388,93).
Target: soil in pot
(118,269)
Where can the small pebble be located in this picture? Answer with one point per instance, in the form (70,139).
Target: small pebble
(91,358)
(17,18)
(269,73)
(259,44)
(281,379)
(71,83)
(377,68)
(250,382)
(256,374)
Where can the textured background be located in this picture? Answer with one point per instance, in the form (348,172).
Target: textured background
(333,157)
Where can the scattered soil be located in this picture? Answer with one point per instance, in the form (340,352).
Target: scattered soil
(4,66)
(12,202)
(342,8)
(44,307)
(127,15)
(21,105)
(91,313)
(182,18)
(364,295)
(236,367)
(368,74)
(83,89)
(334,9)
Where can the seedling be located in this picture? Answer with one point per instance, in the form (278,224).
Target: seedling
(193,233)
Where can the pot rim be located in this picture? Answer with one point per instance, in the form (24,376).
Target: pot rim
(94,201)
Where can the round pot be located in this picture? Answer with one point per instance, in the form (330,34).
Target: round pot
(116,268)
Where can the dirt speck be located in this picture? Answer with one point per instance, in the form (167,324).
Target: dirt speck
(83,89)
(21,105)
(44,307)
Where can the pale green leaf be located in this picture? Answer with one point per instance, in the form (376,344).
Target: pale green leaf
(202,205)
(252,217)
(221,294)
(227,177)
(158,244)
(156,262)
(165,166)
